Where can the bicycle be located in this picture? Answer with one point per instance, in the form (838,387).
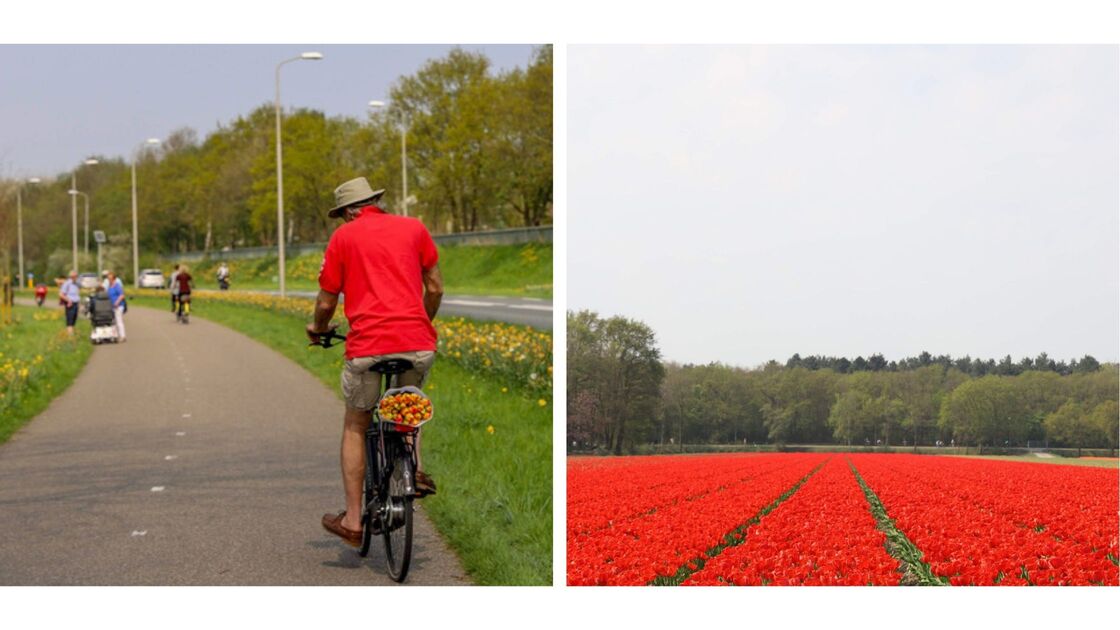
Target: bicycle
(184,314)
(389,487)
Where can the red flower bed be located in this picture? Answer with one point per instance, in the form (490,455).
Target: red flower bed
(822,535)
(634,519)
(979,522)
(982,522)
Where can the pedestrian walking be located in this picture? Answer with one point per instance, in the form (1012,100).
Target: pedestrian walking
(116,298)
(69,297)
(174,284)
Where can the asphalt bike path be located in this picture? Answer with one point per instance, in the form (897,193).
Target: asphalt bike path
(189,455)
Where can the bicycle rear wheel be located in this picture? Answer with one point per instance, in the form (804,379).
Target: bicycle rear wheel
(397,525)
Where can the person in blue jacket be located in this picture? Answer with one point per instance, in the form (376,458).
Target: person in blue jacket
(116,298)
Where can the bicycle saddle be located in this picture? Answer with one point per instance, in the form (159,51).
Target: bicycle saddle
(391,366)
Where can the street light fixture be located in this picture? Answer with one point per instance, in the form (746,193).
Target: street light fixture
(86,198)
(307,56)
(19,222)
(135,243)
(404,155)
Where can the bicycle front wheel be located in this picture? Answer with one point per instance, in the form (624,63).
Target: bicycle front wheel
(397,526)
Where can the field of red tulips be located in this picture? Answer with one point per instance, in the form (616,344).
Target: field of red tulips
(841,519)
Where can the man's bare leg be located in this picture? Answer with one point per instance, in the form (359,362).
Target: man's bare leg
(354,464)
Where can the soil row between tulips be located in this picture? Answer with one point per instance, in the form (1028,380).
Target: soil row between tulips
(915,571)
(733,538)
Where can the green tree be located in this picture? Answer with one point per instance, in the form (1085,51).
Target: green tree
(1071,426)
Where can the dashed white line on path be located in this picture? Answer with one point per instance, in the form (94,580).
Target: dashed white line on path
(138,532)
(531,307)
(181,433)
(157,488)
(170,457)
(186,415)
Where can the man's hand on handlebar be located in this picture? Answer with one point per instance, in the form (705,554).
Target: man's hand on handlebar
(323,337)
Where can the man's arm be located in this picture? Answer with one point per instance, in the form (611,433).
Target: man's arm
(433,290)
(325,306)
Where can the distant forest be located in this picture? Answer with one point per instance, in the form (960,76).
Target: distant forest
(622,395)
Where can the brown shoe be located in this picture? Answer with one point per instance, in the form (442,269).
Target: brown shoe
(424,484)
(333,524)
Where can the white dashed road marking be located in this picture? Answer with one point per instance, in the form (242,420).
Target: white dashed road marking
(138,532)
(170,457)
(181,433)
(157,488)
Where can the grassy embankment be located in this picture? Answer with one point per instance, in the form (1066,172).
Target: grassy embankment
(489,446)
(511,270)
(37,363)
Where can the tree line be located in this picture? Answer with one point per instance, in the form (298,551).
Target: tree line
(967,364)
(479,157)
(622,395)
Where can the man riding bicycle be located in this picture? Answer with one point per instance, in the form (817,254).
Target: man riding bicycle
(386,265)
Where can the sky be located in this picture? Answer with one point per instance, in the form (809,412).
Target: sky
(61,103)
(749,203)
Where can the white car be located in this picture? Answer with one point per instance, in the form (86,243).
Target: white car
(151,279)
(87,281)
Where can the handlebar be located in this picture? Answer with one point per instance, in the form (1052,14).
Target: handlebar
(326,338)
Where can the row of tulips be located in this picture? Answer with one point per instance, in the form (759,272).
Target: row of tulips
(966,518)
(663,542)
(822,535)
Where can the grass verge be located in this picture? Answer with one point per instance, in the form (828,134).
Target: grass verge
(733,538)
(37,363)
(1033,459)
(512,270)
(489,450)
(915,572)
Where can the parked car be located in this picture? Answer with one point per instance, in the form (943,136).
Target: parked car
(87,281)
(151,279)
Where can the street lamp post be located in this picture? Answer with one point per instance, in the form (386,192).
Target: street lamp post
(74,192)
(74,216)
(309,56)
(91,162)
(19,224)
(135,236)
(404,156)
(74,210)
(85,247)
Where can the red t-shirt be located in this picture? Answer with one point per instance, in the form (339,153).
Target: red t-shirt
(377,261)
(184,280)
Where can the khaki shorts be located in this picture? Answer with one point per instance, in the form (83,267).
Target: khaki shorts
(361,387)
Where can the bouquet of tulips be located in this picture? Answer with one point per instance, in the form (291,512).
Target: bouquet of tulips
(405,405)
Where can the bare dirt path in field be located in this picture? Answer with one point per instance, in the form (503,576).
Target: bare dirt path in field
(188,455)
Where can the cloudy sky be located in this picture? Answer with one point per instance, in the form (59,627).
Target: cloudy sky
(753,202)
(63,103)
